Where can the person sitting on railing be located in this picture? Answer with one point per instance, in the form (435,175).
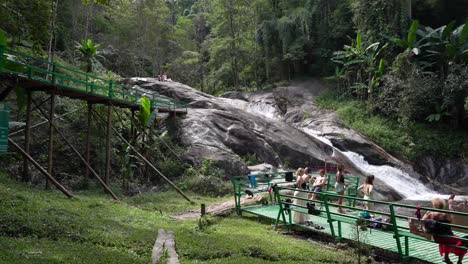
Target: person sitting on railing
(301,181)
(445,236)
(318,185)
(368,188)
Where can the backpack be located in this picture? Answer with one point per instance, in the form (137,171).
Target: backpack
(364,214)
(312,210)
(375,224)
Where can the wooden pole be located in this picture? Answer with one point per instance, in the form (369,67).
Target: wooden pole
(42,170)
(44,122)
(27,138)
(51,138)
(88,166)
(88,141)
(108,143)
(146,161)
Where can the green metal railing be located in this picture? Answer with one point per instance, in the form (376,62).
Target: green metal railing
(24,65)
(4,114)
(397,226)
(265,180)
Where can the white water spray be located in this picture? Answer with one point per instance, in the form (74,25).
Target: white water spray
(402,182)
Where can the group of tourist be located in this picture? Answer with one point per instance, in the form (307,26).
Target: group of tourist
(448,241)
(164,78)
(306,181)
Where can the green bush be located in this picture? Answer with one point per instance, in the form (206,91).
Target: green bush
(411,139)
(206,180)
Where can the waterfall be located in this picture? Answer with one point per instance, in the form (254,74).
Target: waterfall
(402,182)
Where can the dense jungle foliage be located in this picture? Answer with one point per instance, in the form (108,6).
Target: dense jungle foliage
(406,58)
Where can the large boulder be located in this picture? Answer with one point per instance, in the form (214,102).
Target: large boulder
(224,130)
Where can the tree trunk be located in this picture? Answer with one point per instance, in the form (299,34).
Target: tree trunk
(51,47)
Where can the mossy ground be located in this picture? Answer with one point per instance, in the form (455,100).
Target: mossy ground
(38,226)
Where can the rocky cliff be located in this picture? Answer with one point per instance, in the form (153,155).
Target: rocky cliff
(284,128)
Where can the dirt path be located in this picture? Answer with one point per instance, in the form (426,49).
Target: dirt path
(218,208)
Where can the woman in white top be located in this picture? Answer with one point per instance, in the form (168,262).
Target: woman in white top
(301,182)
(368,190)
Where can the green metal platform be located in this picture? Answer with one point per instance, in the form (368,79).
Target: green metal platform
(419,249)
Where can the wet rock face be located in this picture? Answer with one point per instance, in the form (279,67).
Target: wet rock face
(225,130)
(449,172)
(276,126)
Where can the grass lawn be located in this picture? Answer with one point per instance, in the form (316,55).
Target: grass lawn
(38,226)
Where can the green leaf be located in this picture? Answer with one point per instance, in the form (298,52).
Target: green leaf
(464,33)
(145,109)
(358,41)
(381,67)
(3,41)
(412,33)
(448,30)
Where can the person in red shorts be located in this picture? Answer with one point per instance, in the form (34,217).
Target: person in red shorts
(448,242)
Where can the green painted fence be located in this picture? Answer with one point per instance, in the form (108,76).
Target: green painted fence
(34,68)
(4,114)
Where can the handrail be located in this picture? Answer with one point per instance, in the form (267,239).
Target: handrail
(398,228)
(56,74)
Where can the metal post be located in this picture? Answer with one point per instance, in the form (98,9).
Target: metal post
(27,138)
(132,127)
(51,138)
(53,74)
(106,188)
(203,209)
(88,141)
(108,143)
(54,181)
(145,160)
(110,88)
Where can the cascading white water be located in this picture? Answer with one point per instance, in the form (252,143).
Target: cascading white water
(407,186)
(402,182)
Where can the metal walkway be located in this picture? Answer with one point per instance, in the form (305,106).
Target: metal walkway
(419,249)
(36,74)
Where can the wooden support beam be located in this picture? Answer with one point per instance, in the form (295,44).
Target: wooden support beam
(50,159)
(42,170)
(108,143)
(86,163)
(27,138)
(145,160)
(88,141)
(44,122)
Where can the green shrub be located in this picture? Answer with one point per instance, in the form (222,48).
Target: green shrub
(206,180)
(411,139)
(207,186)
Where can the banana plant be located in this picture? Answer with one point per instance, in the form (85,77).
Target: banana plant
(89,54)
(444,45)
(145,111)
(362,65)
(410,42)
